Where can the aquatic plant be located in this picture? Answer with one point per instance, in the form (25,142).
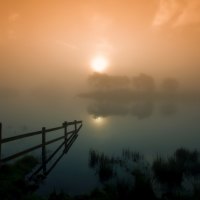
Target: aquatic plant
(13,183)
(161,179)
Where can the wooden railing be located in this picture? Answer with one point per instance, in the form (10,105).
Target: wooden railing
(68,138)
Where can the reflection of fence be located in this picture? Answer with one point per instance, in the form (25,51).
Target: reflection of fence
(69,137)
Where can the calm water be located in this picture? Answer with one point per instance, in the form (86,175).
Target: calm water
(146,126)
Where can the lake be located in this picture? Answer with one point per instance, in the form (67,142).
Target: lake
(149,126)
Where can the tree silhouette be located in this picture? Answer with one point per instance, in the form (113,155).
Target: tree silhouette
(144,83)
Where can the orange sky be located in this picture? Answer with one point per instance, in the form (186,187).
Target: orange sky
(55,40)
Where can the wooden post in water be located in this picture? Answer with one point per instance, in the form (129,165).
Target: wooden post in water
(0,140)
(65,133)
(44,150)
(75,126)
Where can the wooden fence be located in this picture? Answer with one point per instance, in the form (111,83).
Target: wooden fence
(68,138)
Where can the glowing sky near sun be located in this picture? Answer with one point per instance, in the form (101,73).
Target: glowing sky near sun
(58,38)
(99,63)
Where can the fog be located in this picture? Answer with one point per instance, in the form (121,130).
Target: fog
(143,94)
(47,46)
(138,96)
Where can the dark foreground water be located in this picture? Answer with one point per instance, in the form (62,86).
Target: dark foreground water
(150,127)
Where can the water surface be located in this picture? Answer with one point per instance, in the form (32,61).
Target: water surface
(150,127)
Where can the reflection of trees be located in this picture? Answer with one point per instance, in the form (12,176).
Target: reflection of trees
(123,102)
(142,109)
(139,109)
(168,109)
(119,95)
(104,104)
(105,109)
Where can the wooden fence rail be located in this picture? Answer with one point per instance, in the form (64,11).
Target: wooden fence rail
(69,137)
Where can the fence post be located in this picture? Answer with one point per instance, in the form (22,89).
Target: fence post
(0,141)
(65,133)
(75,126)
(44,150)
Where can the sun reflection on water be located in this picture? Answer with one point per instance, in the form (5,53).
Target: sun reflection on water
(99,121)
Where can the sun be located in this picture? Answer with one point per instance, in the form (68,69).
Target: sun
(99,64)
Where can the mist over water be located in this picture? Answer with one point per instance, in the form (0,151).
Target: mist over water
(147,99)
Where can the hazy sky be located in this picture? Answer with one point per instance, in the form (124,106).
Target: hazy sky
(46,50)
(53,41)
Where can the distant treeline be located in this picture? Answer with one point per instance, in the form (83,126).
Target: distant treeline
(143,82)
